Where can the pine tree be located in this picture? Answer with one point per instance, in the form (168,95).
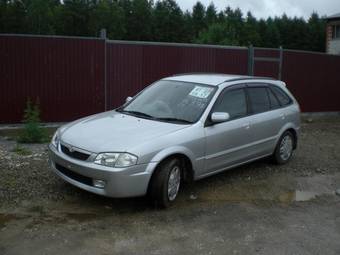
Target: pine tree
(168,22)
(198,18)
(109,15)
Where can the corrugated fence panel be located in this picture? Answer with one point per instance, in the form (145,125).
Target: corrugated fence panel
(314,79)
(65,74)
(232,61)
(268,53)
(131,67)
(266,68)
(124,72)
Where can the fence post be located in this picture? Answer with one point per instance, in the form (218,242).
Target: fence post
(280,63)
(103,36)
(251,60)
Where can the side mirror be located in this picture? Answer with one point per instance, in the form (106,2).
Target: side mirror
(218,117)
(128,99)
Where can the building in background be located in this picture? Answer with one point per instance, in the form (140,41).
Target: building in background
(333,34)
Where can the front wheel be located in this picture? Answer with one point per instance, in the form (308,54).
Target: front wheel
(166,182)
(284,148)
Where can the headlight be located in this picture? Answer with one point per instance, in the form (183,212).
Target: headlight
(115,159)
(55,139)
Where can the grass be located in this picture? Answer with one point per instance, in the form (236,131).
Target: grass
(32,131)
(20,150)
(13,134)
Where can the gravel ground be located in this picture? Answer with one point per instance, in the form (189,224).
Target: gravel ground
(257,208)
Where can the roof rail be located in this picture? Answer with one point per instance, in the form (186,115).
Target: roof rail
(250,78)
(207,73)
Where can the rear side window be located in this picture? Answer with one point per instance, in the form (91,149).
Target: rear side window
(274,103)
(233,102)
(283,98)
(259,100)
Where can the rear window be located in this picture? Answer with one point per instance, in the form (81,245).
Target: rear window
(274,103)
(283,98)
(259,101)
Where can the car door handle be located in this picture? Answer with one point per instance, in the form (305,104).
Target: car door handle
(246,125)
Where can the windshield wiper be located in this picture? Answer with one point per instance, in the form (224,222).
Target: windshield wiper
(175,120)
(136,113)
(142,114)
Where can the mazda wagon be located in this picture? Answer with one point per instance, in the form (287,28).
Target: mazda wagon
(178,129)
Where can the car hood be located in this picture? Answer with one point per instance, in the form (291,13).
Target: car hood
(113,131)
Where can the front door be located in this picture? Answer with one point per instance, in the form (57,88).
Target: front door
(227,142)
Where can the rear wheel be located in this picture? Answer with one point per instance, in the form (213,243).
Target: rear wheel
(284,148)
(166,182)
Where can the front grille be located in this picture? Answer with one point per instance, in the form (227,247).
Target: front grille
(73,175)
(74,154)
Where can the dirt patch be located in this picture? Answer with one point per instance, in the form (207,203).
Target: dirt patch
(5,218)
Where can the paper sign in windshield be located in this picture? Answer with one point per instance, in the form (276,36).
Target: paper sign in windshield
(201,92)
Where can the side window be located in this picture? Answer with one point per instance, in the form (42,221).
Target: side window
(274,103)
(259,100)
(233,102)
(283,98)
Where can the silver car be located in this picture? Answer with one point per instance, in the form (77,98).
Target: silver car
(180,128)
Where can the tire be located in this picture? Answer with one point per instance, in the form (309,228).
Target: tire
(284,148)
(169,173)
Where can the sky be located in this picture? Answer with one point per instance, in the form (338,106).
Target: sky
(265,8)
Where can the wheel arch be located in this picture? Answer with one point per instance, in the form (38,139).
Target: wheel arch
(295,136)
(291,128)
(184,156)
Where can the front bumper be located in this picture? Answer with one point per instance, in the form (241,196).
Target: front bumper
(120,182)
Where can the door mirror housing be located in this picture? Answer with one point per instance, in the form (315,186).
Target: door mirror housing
(218,117)
(128,99)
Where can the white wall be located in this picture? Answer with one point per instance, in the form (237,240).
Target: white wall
(334,46)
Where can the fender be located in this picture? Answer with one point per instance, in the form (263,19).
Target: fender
(196,164)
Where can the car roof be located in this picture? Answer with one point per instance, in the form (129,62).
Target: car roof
(213,79)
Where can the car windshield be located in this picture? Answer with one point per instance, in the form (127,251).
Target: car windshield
(171,101)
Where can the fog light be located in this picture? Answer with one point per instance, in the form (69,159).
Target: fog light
(99,184)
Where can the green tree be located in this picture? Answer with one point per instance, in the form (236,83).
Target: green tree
(211,14)
(162,21)
(250,34)
(32,132)
(73,18)
(217,33)
(234,22)
(198,18)
(13,17)
(261,29)
(316,33)
(3,10)
(188,30)
(271,36)
(283,24)
(138,15)
(298,34)
(40,17)
(168,21)
(109,15)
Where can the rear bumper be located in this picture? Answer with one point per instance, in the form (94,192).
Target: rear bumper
(120,182)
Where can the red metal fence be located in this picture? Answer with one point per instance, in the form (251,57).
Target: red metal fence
(75,77)
(66,75)
(132,66)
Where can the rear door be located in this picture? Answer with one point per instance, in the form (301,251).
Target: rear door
(266,119)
